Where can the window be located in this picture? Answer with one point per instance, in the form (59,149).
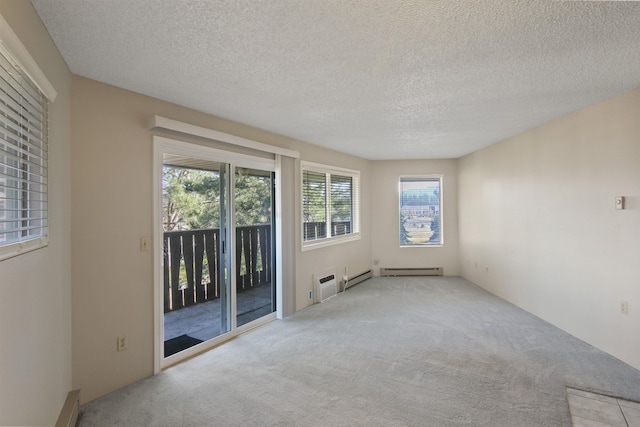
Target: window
(330,205)
(23,158)
(421,211)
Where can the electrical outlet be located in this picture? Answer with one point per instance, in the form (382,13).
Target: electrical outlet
(624,307)
(122,342)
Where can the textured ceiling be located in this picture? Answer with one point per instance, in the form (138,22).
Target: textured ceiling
(383,79)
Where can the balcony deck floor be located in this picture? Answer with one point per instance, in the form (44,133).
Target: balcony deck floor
(202,321)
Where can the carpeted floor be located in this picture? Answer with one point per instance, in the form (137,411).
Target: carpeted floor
(427,351)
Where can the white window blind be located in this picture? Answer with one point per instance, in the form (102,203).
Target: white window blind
(23,157)
(421,211)
(314,205)
(341,204)
(330,205)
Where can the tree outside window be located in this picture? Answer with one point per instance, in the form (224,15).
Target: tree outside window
(329,204)
(420,211)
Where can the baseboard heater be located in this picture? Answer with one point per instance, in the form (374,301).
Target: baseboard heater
(70,411)
(430,271)
(358,278)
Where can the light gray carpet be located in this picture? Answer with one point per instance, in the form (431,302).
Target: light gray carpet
(428,351)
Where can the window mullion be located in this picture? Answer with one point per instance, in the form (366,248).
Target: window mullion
(327,204)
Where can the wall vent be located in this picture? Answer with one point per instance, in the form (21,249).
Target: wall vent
(358,278)
(429,271)
(325,286)
(70,411)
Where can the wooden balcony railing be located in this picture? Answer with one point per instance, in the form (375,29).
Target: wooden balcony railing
(192,266)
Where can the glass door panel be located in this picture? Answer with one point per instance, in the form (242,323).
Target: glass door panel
(218,248)
(254,246)
(196,281)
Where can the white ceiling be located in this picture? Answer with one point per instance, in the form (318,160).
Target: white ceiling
(380,79)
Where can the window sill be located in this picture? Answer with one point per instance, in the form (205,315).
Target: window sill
(322,243)
(19,248)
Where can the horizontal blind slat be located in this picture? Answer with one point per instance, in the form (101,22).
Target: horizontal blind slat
(18,80)
(341,205)
(15,99)
(12,166)
(21,122)
(12,128)
(23,155)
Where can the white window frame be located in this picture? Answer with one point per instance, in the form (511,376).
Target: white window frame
(355,197)
(17,54)
(429,177)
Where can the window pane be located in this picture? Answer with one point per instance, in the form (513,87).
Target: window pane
(23,155)
(330,205)
(341,205)
(420,220)
(314,202)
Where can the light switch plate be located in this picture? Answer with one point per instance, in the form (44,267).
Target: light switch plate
(145,244)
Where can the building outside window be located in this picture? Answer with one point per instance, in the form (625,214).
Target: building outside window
(420,210)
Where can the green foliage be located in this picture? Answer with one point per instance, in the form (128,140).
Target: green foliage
(341,198)
(253,199)
(404,234)
(435,227)
(314,197)
(314,193)
(426,197)
(191,199)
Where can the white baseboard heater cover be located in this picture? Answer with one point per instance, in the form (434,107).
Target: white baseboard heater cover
(325,285)
(427,271)
(70,411)
(358,278)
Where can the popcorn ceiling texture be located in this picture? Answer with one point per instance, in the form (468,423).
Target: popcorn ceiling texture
(384,79)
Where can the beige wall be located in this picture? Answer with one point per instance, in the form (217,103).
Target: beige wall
(112,209)
(354,256)
(385,215)
(538,211)
(35,288)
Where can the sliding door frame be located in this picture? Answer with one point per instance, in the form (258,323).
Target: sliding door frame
(162,146)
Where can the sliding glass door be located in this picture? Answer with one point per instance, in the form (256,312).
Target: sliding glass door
(254,266)
(218,253)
